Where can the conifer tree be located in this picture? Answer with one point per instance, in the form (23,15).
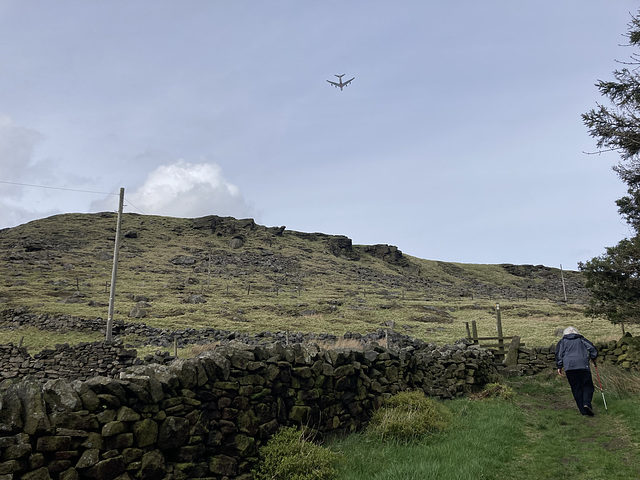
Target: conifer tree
(613,278)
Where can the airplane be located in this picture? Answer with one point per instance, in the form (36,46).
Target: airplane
(341,84)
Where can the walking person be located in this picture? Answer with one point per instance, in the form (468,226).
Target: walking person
(573,353)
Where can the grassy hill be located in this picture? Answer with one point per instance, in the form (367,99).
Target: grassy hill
(233,274)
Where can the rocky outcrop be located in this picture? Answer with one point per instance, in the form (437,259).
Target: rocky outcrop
(388,253)
(342,247)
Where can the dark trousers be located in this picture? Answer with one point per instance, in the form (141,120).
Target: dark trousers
(581,387)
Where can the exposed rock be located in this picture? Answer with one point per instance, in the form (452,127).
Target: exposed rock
(138,312)
(61,396)
(236,242)
(152,466)
(184,260)
(173,432)
(195,298)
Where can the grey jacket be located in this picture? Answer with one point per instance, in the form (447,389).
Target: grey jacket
(573,352)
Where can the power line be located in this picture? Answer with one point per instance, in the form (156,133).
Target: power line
(57,188)
(67,190)
(129,203)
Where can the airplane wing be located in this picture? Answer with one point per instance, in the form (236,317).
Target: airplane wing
(334,83)
(348,81)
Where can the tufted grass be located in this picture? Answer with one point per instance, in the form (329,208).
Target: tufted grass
(408,416)
(291,454)
(477,444)
(616,383)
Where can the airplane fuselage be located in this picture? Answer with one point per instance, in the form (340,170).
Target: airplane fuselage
(340,84)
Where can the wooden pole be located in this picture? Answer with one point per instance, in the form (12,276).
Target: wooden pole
(114,272)
(474,329)
(468,332)
(564,288)
(499,328)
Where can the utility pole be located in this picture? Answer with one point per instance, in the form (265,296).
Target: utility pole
(114,272)
(564,288)
(499,329)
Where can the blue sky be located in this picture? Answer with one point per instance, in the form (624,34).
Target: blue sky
(460,138)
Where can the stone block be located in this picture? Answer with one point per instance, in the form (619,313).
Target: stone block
(145,433)
(9,467)
(53,443)
(39,474)
(223,465)
(131,455)
(107,469)
(113,428)
(300,414)
(126,414)
(173,433)
(190,453)
(15,452)
(152,466)
(69,474)
(89,458)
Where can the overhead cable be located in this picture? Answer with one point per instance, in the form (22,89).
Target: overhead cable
(57,188)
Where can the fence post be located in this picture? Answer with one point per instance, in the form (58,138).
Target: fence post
(468,332)
(499,328)
(474,329)
(511,359)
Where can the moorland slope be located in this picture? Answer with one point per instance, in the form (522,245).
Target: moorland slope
(236,275)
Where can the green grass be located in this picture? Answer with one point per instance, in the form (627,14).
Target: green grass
(478,444)
(36,340)
(539,435)
(560,443)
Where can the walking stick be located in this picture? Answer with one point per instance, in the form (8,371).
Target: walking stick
(600,385)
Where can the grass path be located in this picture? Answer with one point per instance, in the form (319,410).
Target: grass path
(539,435)
(561,443)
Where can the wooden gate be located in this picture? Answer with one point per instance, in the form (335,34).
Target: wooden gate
(495,342)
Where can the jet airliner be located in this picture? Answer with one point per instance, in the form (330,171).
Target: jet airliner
(340,84)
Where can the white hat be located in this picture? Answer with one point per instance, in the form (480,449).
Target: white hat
(569,330)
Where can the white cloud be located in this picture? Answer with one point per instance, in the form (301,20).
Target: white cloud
(20,169)
(184,189)
(17,145)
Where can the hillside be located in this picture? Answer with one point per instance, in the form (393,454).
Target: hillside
(232,274)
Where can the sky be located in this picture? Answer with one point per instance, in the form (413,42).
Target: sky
(460,138)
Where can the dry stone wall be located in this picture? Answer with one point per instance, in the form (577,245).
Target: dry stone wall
(624,353)
(79,362)
(157,337)
(206,417)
